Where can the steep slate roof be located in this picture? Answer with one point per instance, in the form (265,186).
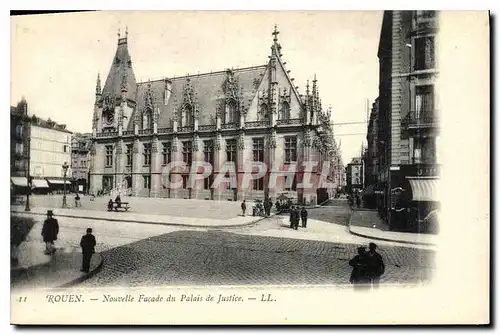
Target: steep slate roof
(208,87)
(122,65)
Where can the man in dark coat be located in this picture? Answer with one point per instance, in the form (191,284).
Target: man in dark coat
(243,207)
(49,232)
(270,206)
(88,248)
(296,217)
(375,265)
(303,215)
(359,268)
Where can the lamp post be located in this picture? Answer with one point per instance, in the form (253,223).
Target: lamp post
(65,169)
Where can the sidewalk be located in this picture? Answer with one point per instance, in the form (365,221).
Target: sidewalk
(143,218)
(37,270)
(361,224)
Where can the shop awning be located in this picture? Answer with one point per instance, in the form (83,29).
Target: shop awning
(19,181)
(39,183)
(424,189)
(56,181)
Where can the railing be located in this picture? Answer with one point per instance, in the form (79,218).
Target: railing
(207,127)
(257,124)
(145,131)
(289,122)
(128,132)
(420,120)
(229,125)
(185,129)
(107,134)
(165,130)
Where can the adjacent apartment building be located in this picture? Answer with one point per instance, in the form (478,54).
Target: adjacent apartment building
(81,145)
(354,175)
(253,114)
(406,118)
(39,149)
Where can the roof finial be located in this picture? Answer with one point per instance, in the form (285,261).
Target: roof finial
(275,33)
(118,33)
(126,31)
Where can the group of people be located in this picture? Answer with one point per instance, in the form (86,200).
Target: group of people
(50,231)
(118,202)
(295,215)
(261,208)
(367,267)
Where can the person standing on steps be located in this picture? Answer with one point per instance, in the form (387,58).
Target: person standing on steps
(243,207)
(87,244)
(375,265)
(303,215)
(50,230)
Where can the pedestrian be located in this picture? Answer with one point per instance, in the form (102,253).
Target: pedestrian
(266,208)
(243,207)
(296,217)
(50,230)
(359,268)
(87,244)
(118,201)
(77,200)
(358,201)
(375,265)
(303,215)
(292,217)
(110,205)
(270,207)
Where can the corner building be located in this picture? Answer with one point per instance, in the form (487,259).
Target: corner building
(244,115)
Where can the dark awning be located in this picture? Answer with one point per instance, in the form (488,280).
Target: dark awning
(424,189)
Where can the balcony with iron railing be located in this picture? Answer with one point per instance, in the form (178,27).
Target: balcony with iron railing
(232,125)
(185,129)
(421,120)
(145,131)
(165,130)
(207,127)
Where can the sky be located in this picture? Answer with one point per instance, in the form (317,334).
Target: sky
(55,58)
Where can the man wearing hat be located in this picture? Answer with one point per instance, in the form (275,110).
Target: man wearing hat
(375,265)
(88,248)
(49,232)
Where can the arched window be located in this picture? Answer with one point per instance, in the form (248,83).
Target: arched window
(285,111)
(187,118)
(146,121)
(232,112)
(264,113)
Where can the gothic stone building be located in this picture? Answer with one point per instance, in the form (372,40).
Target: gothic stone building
(243,115)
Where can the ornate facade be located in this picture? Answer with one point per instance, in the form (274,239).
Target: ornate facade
(249,114)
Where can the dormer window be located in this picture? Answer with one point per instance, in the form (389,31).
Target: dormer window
(232,115)
(285,111)
(146,121)
(187,116)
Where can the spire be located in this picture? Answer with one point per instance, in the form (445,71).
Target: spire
(307,87)
(98,85)
(121,81)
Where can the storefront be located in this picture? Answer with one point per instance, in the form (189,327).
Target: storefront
(40,186)
(19,185)
(57,186)
(412,195)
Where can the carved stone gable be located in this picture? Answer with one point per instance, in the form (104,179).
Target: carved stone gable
(230,86)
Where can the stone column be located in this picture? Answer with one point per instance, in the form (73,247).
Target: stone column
(270,162)
(240,168)
(137,184)
(197,156)
(176,172)
(218,161)
(156,183)
(120,164)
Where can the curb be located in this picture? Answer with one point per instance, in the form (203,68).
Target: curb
(382,238)
(145,222)
(85,276)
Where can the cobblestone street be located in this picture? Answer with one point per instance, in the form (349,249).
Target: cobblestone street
(224,258)
(268,252)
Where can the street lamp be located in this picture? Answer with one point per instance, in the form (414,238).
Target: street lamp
(65,169)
